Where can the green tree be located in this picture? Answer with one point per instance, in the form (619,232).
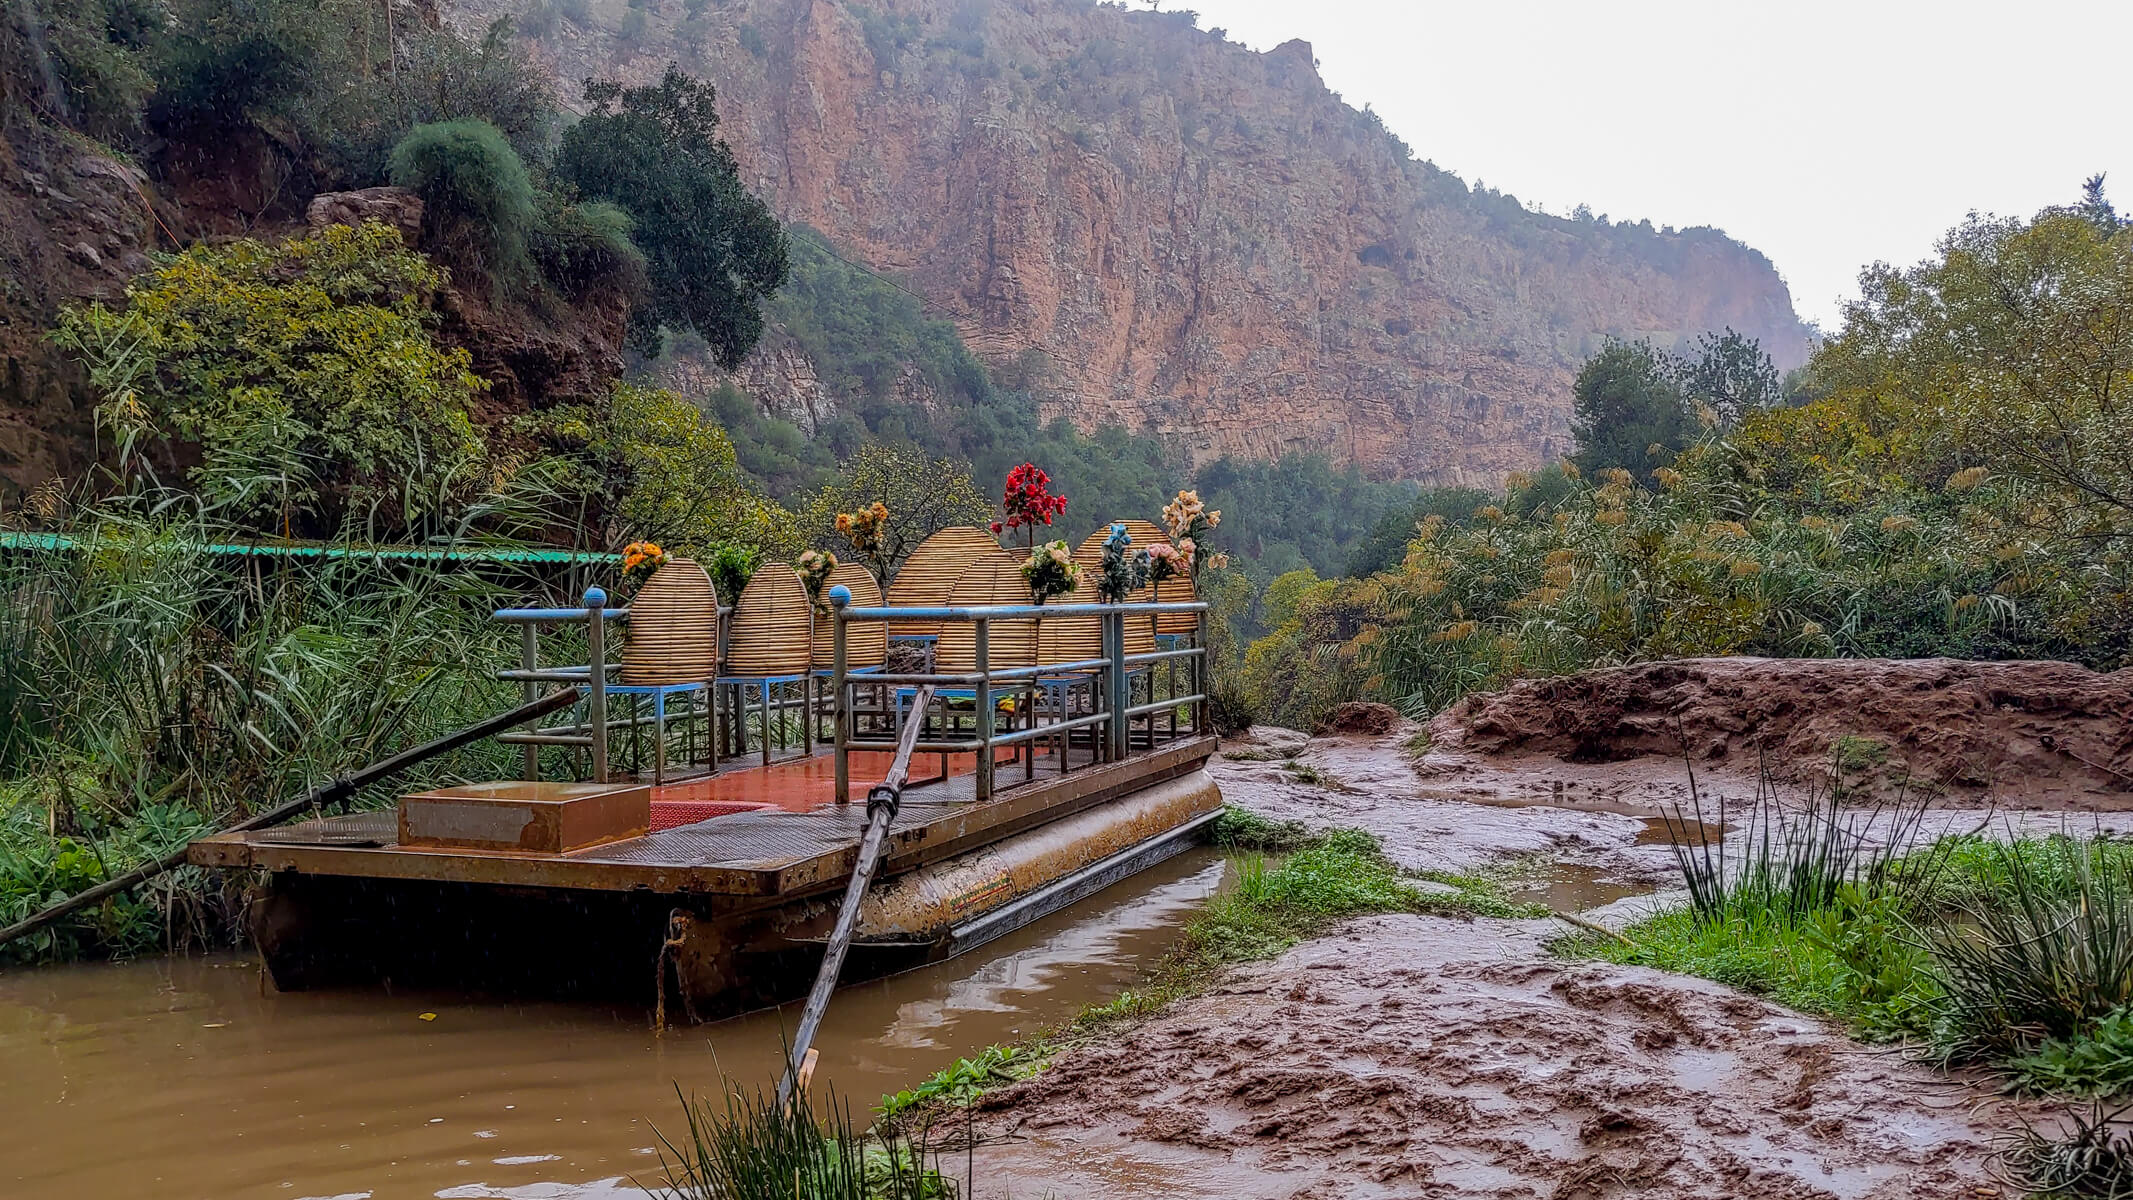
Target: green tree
(1387,543)
(714,253)
(1730,375)
(923,496)
(2096,207)
(2012,350)
(1629,410)
(660,471)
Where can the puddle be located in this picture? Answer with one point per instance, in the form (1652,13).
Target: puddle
(1575,887)
(188,1078)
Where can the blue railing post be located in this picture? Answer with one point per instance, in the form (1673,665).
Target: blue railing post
(529,636)
(982,659)
(1115,681)
(840,707)
(596,692)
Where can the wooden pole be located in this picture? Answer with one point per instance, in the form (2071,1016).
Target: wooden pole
(882,800)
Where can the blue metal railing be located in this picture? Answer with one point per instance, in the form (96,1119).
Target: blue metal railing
(591,735)
(1112,711)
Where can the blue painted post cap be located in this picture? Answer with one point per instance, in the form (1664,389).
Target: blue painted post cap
(596,597)
(840,595)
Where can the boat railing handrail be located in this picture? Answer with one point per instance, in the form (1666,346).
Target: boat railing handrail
(1015,612)
(1109,678)
(591,678)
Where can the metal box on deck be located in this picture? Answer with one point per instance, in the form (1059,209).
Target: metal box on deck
(541,817)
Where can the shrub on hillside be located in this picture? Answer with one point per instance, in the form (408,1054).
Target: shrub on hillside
(586,248)
(478,202)
(296,386)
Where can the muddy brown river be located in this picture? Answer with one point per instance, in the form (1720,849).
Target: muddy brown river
(181,1078)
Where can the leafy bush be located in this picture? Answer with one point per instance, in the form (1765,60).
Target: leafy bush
(478,202)
(586,248)
(224,64)
(98,52)
(301,381)
(2097,1062)
(661,472)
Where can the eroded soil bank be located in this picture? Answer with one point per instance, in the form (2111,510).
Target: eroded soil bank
(1428,1057)
(2020,735)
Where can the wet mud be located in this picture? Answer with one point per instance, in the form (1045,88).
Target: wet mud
(1410,1056)
(1418,1056)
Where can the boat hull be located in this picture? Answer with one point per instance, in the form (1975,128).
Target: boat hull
(704,957)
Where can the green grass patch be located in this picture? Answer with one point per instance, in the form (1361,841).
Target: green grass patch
(753,1148)
(2013,957)
(1276,904)
(1243,829)
(1850,961)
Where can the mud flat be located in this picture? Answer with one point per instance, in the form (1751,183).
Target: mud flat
(2043,736)
(1418,1056)
(1429,1057)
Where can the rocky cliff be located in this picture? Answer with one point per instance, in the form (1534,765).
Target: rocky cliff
(1204,239)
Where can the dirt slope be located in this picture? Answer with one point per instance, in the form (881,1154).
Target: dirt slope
(2018,734)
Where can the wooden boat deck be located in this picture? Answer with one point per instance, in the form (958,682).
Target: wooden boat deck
(807,843)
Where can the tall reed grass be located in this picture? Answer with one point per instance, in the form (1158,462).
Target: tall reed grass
(751,1147)
(151,688)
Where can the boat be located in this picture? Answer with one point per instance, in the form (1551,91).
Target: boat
(703,880)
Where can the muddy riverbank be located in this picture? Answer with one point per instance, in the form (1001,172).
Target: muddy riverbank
(1416,1056)
(1421,1056)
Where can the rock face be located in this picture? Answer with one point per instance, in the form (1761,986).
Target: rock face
(74,225)
(394,206)
(1204,240)
(777,374)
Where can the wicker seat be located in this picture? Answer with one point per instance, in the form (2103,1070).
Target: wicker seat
(866,643)
(773,627)
(673,629)
(992,579)
(930,574)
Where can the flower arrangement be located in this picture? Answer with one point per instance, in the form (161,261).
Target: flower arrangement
(1028,502)
(1051,571)
(1125,569)
(867,530)
(1166,561)
(814,567)
(640,559)
(1189,522)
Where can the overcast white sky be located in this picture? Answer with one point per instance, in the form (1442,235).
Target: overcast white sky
(1827,135)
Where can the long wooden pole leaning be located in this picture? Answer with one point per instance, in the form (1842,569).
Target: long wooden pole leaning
(333,793)
(882,800)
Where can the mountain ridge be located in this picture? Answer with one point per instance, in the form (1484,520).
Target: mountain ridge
(1199,240)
